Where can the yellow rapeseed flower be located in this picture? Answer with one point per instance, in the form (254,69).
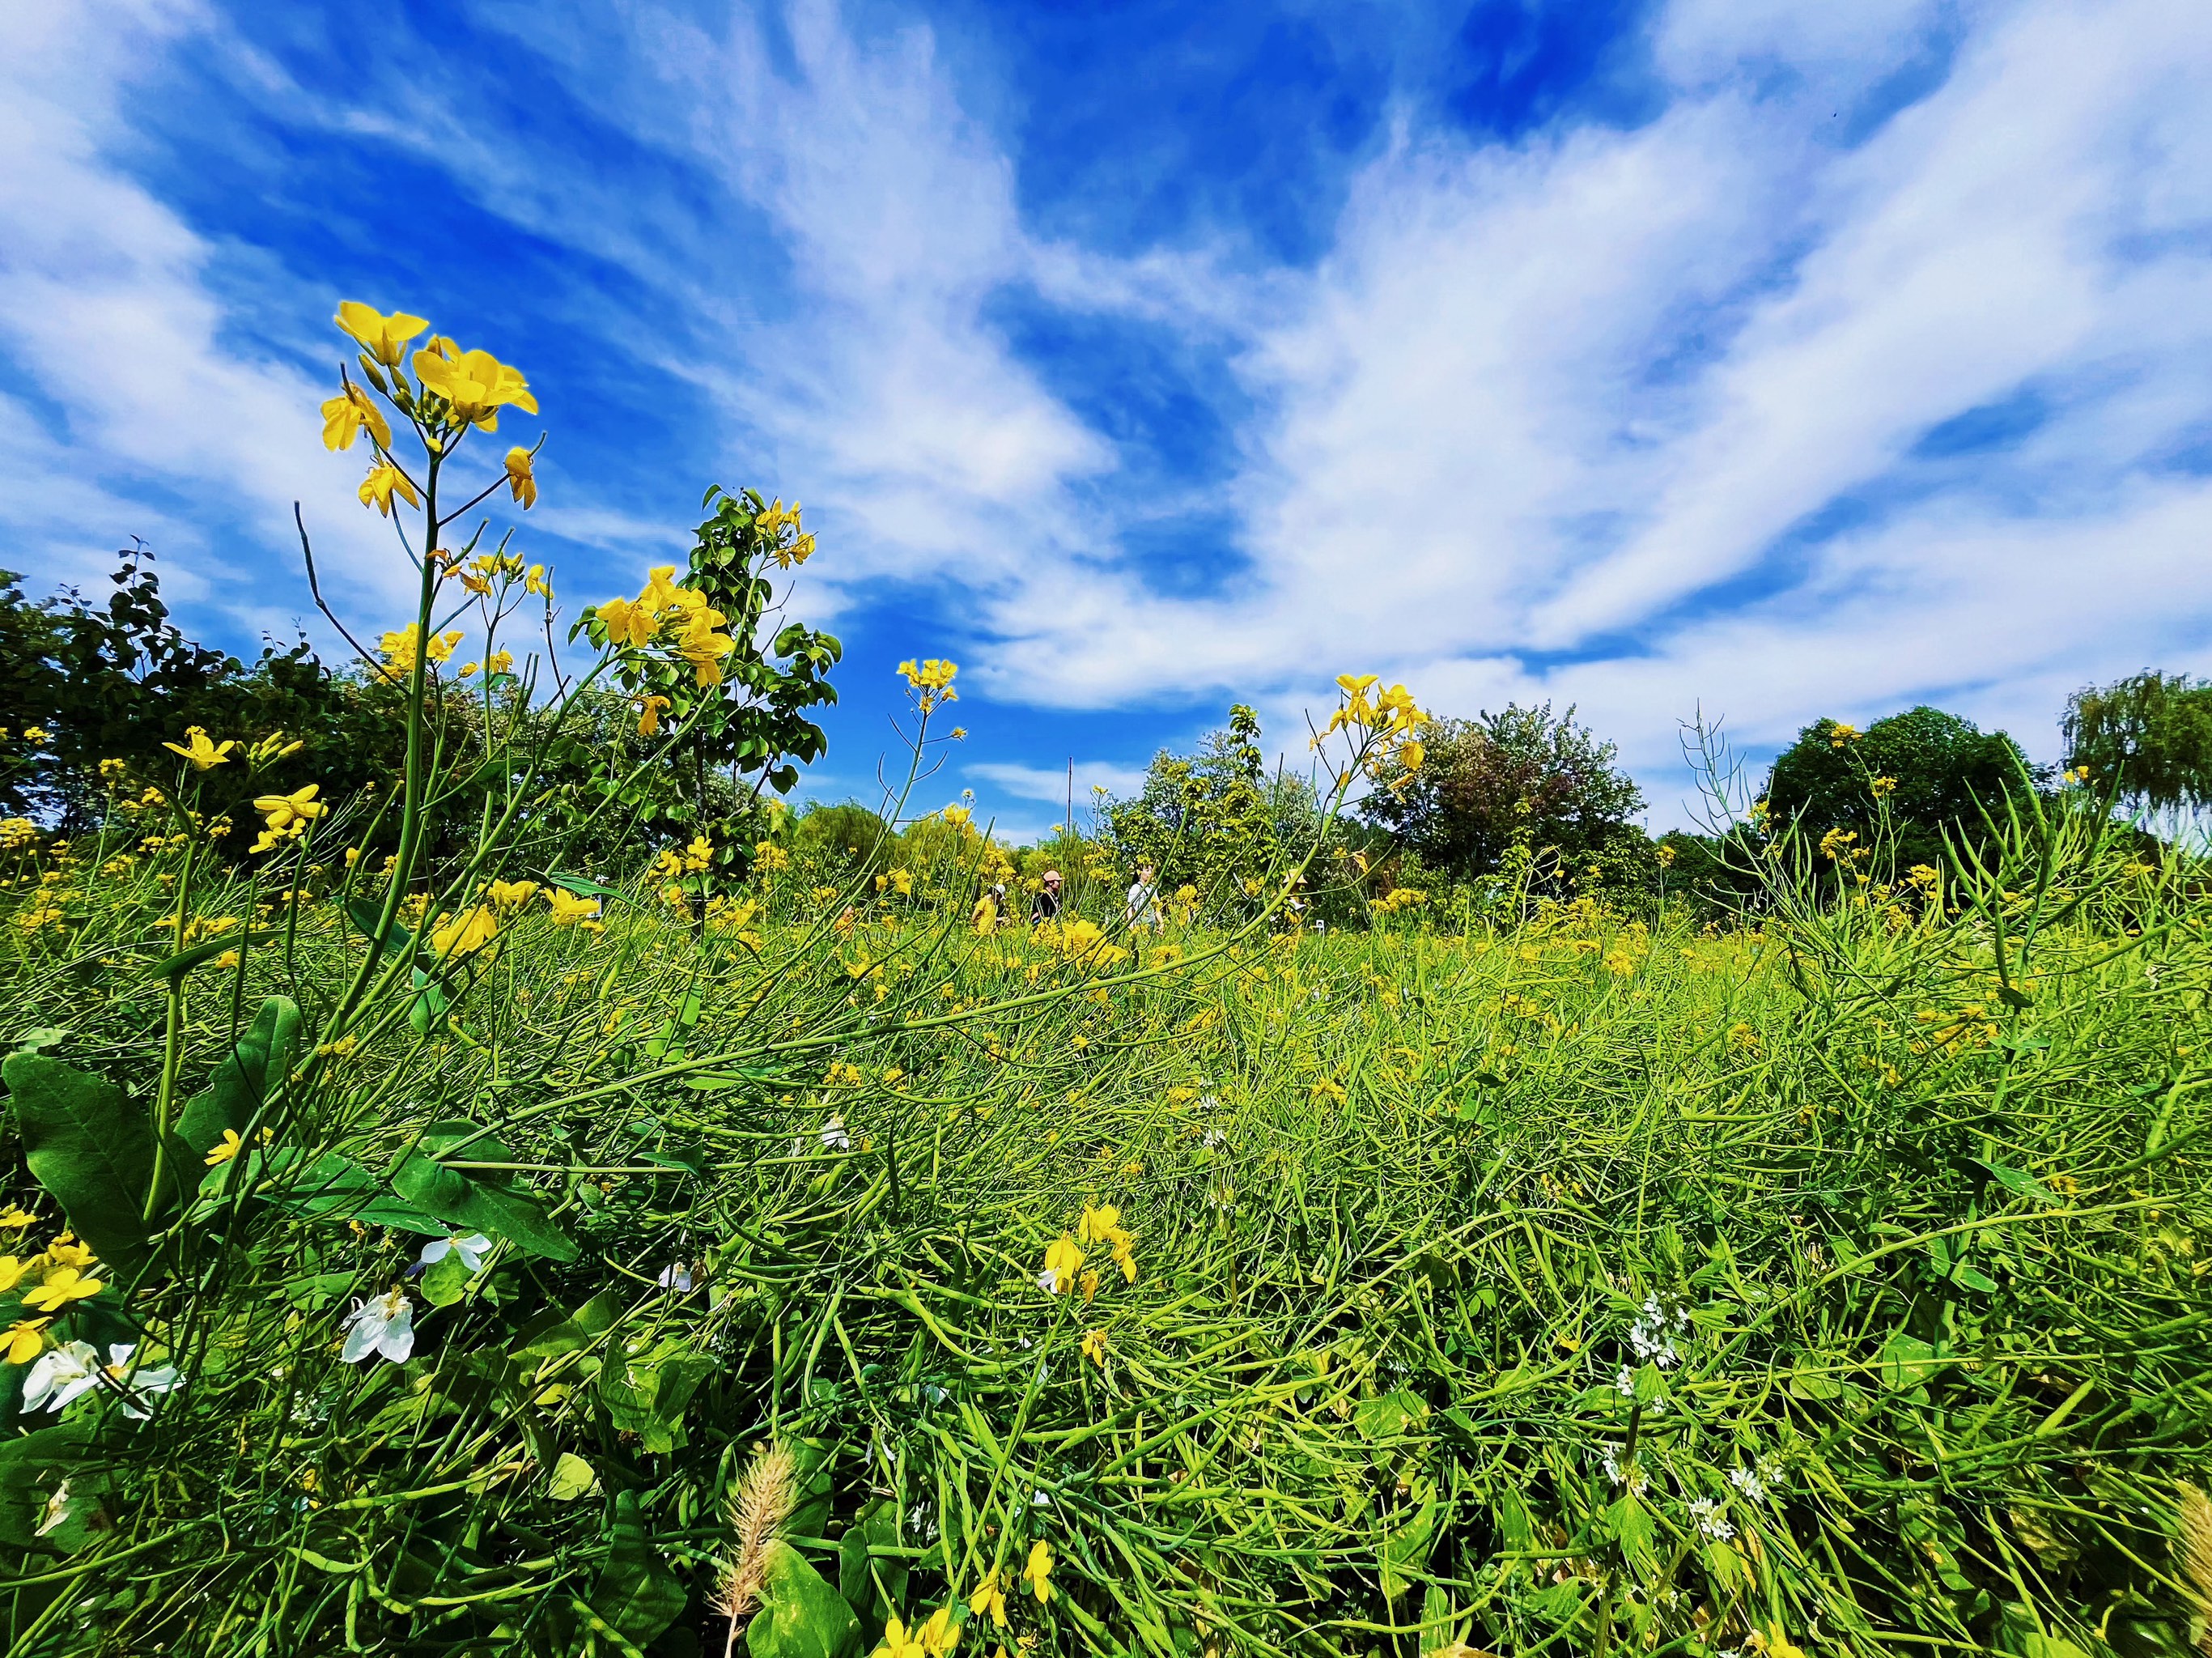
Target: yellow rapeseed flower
(1038,1571)
(520,478)
(1063,1261)
(344,415)
(476,383)
(24,1341)
(63,1285)
(569,908)
(990,1597)
(1094,1347)
(282,810)
(941,1634)
(466,932)
(384,481)
(383,337)
(201,750)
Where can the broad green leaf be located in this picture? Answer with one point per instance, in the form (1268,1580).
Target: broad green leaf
(90,1148)
(364,914)
(572,1477)
(256,1067)
(635,1594)
(1907,1361)
(554,1332)
(583,887)
(800,1615)
(31,1467)
(1632,1525)
(646,1393)
(1405,1549)
(859,1572)
(2021,1183)
(446,1279)
(334,1187)
(481,1199)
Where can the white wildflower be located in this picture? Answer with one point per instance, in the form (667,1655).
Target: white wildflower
(1624,1383)
(138,1386)
(675,1275)
(61,1375)
(1747,1481)
(471,1249)
(835,1136)
(1702,1510)
(384,1324)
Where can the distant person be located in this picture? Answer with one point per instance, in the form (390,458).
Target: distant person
(1046,905)
(1144,901)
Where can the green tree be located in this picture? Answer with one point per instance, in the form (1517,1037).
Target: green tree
(845,836)
(2146,738)
(116,680)
(1935,772)
(1523,770)
(1214,821)
(735,707)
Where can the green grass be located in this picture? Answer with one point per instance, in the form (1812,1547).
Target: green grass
(1919,1200)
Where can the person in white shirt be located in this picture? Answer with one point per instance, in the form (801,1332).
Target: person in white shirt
(1144,905)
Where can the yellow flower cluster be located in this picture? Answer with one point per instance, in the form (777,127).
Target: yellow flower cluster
(573,909)
(16,834)
(286,817)
(1099,1224)
(1391,718)
(691,624)
(1397,898)
(402,648)
(466,932)
(62,1275)
(789,543)
(931,682)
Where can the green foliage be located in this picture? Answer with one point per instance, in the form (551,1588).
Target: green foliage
(1939,775)
(1216,820)
(117,680)
(1522,775)
(2146,739)
(733,705)
(847,838)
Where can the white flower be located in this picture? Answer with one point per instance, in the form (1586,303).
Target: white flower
(384,1324)
(60,1375)
(471,1249)
(1701,1510)
(1624,1383)
(678,1276)
(1049,1281)
(834,1136)
(138,1386)
(1209,1101)
(1769,1470)
(1746,1482)
(1213,1137)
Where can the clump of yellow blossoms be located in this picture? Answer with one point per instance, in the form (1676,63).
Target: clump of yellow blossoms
(931,682)
(678,616)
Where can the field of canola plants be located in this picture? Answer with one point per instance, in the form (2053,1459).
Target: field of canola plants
(456,1255)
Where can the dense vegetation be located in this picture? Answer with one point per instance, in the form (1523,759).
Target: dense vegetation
(426,1248)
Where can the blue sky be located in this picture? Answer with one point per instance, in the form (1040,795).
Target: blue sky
(1774,359)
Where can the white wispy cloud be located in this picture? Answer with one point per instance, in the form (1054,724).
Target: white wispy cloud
(1053,785)
(150,406)
(1543,398)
